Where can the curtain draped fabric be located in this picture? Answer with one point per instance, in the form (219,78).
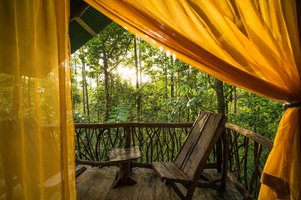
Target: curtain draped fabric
(250,44)
(36,123)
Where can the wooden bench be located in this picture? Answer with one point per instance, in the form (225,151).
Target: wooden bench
(191,159)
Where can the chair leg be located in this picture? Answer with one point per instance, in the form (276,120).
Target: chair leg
(219,156)
(225,160)
(177,190)
(190,191)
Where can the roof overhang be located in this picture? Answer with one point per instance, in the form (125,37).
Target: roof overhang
(85,23)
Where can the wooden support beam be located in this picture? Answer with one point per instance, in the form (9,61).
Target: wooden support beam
(84,26)
(78,10)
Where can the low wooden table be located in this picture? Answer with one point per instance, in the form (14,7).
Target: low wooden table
(124,156)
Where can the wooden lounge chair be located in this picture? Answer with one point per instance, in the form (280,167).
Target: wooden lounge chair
(191,159)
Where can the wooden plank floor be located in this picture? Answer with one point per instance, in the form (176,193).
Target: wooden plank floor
(96,184)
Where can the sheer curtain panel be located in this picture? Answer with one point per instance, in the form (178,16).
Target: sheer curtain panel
(250,44)
(36,123)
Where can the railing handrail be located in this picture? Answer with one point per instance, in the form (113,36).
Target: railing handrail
(161,141)
(134,124)
(264,141)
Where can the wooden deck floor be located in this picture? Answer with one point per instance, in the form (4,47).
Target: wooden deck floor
(96,184)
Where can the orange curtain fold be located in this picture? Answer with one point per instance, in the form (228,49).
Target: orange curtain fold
(250,44)
(37,132)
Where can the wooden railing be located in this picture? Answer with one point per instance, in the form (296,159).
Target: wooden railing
(157,141)
(248,152)
(161,142)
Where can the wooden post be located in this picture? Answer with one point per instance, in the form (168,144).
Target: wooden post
(219,152)
(225,159)
(221,108)
(127,132)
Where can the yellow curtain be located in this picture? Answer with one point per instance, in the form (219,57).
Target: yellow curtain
(251,44)
(36,124)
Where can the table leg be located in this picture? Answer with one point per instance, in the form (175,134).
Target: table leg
(124,178)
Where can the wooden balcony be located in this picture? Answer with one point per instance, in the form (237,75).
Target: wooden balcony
(96,183)
(247,153)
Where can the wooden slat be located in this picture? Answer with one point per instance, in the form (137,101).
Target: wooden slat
(205,144)
(168,171)
(200,142)
(176,171)
(190,141)
(161,170)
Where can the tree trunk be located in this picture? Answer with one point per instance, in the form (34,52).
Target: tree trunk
(235,101)
(179,117)
(84,82)
(219,89)
(75,79)
(166,88)
(166,81)
(172,84)
(87,97)
(188,94)
(137,80)
(97,88)
(140,81)
(106,77)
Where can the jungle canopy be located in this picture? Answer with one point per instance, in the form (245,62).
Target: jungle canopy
(254,45)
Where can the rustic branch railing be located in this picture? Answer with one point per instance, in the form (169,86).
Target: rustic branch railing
(161,142)
(248,152)
(157,141)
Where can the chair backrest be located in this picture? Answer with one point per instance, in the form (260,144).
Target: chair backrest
(194,153)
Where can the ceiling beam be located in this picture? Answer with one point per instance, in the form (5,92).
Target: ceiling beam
(78,10)
(84,26)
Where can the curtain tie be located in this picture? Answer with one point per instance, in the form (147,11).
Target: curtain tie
(292,105)
(278,185)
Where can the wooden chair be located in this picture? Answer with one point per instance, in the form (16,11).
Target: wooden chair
(191,159)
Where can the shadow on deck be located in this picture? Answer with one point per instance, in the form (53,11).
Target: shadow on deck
(96,183)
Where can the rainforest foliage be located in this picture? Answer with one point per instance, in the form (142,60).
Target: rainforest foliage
(117,77)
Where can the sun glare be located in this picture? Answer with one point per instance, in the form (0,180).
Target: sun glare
(129,75)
